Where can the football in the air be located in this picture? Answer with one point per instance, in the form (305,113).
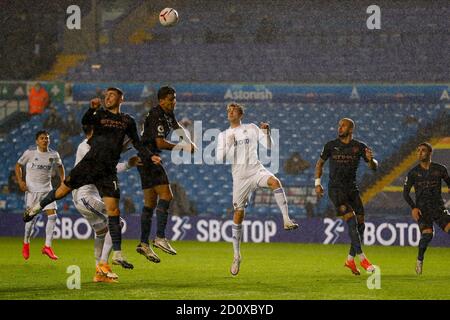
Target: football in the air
(168,17)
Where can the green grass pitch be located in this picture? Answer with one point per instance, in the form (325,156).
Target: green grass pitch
(283,271)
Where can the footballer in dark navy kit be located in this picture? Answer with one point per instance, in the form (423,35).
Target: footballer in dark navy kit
(344,154)
(159,123)
(428,207)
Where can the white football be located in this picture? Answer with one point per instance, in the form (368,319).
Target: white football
(168,17)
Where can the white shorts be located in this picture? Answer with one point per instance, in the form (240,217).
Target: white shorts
(93,210)
(33,198)
(242,188)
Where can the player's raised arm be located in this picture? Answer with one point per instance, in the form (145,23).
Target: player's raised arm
(89,117)
(264,136)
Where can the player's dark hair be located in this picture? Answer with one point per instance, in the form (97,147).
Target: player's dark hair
(426,145)
(165,91)
(120,92)
(87,128)
(41,132)
(236,105)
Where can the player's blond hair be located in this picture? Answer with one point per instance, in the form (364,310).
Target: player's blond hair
(237,106)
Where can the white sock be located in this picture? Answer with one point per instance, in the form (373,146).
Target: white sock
(350,258)
(107,247)
(362,257)
(98,247)
(29,228)
(281,200)
(51,221)
(237,235)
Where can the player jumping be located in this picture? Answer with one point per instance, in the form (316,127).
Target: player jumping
(239,144)
(159,122)
(344,154)
(98,167)
(90,205)
(429,207)
(39,162)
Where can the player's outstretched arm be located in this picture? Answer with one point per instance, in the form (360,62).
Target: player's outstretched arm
(134,161)
(184,136)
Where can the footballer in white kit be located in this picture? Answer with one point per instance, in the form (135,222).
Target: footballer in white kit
(40,162)
(89,203)
(238,145)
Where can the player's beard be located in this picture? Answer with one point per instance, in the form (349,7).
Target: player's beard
(111,107)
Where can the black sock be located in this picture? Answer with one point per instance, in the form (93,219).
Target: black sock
(146,224)
(161,217)
(115,232)
(49,198)
(425,239)
(354,235)
(361,227)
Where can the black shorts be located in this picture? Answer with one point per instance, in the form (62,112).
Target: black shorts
(89,171)
(152,175)
(346,200)
(439,215)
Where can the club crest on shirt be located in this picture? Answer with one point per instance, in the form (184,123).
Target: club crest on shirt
(51,160)
(355,149)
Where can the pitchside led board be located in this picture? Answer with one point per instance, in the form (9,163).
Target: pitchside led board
(398,232)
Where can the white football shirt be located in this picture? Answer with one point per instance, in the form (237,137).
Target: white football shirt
(39,166)
(239,146)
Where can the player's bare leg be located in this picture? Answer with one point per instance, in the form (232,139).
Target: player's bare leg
(52,196)
(49,228)
(425,239)
(356,246)
(112,209)
(164,198)
(238,217)
(150,199)
(280,198)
